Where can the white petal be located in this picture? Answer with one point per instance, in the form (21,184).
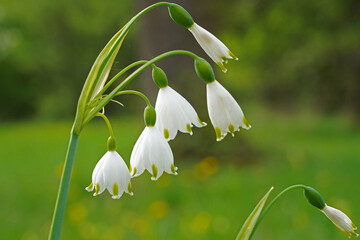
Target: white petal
(111,169)
(136,160)
(174,113)
(152,150)
(216,50)
(340,219)
(224,112)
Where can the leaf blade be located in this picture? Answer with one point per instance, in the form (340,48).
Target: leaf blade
(248,226)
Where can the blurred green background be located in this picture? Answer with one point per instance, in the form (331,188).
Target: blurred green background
(297,80)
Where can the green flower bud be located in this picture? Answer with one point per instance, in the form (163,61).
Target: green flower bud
(180,16)
(204,70)
(159,77)
(149,116)
(314,198)
(111,144)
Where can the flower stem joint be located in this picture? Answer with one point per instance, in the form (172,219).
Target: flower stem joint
(180,16)
(204,70)
(159,77)
(111,144)
(150,116)
(314,198)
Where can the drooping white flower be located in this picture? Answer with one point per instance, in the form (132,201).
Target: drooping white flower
(225,113)
(111,173)
(153,153)
(174,113)
(341,220)
(216,50)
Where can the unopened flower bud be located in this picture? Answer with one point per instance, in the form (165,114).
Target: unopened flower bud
(180,16)
(159,77)
(204,70)
(149,116)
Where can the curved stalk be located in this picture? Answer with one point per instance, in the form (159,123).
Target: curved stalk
(55,229)
(113,93)
(135,93)
(111,132)
(266,210)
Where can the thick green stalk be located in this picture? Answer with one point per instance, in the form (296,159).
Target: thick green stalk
(113,93)
(272,203)
(58,217)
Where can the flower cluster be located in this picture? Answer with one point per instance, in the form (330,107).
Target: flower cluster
(172,113)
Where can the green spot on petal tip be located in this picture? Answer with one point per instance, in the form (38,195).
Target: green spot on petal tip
(115,190)
(218,133)
(231,129)
(90,187)
(166,133)
(188,128)
(246,123)
(222,67)
(97,189)
(173,169)
(233,56)
(154,172)
(129,189)
(201,122)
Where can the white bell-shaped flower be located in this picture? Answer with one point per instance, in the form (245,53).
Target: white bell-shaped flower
(213,47)
(341,220)
(153,153)
(174,113)
(225,113)
(111,173)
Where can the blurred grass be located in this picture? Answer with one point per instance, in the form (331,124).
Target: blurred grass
(209,199)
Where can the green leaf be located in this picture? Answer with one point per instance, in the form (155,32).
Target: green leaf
(250,222)
(97,76)
(103,63)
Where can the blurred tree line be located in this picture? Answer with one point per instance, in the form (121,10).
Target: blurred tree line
(291,53)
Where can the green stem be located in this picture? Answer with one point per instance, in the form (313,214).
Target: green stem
(135,93)
(58,217)
(118,75)
(266,210)
(111,132)
(113,93)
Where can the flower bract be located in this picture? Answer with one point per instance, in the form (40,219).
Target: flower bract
(153,153)
(111,173)
(341,220)
(216,50)
(225,113)
(174,113)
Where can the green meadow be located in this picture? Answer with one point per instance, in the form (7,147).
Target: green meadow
(218,183)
